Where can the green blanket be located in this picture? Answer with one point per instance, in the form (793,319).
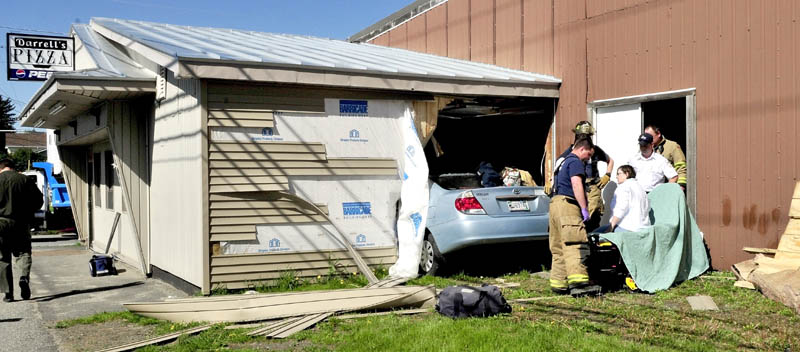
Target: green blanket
(670,251)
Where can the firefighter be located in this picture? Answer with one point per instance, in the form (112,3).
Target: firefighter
(569,244)
(594,182)
(671,151)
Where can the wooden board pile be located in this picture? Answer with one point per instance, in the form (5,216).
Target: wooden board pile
(776,272)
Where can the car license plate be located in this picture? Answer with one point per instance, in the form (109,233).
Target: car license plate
(518,205)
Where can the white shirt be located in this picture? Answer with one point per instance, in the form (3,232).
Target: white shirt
(631,206)
(650,172)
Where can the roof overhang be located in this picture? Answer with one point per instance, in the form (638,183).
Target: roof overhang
(60,99)
(256,72)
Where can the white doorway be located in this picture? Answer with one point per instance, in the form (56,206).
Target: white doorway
(619,121)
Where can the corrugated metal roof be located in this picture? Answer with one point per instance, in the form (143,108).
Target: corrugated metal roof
(284,50)
(107,59)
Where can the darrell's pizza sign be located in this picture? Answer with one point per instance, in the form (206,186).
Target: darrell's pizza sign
(36,57)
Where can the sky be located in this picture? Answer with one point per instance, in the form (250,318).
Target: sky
(337,19)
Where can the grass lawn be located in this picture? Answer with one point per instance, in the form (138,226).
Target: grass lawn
(618,321)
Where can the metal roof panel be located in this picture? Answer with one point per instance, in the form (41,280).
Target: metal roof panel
(306,52)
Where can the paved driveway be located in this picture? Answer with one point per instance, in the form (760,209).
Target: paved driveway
(63,289)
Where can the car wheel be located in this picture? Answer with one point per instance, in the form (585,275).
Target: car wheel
(430,262)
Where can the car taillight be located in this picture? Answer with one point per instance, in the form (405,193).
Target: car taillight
(468,204)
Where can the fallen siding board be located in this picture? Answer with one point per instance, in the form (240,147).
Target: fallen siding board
(241,123)
(327,171)
(266,156)
(260,258)
(233,229)
(224,237)
(331,164)
(241,114)
(248,188)
(243,180)
(302,324)
(268,147)
(257,220)
(273,326)
(272,107)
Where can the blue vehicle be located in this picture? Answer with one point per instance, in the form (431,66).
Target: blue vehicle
(462,214)
(56,213)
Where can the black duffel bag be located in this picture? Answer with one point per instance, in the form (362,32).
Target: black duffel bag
(468,301)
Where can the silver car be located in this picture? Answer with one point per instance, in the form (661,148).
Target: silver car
(461,217)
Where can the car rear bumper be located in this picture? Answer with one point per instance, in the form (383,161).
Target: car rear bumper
(473,230)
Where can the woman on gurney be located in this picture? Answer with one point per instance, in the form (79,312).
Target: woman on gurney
(630,206)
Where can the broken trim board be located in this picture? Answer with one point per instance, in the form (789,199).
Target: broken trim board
(272,306)
(760,250)
(164,338)
(298,326)
(744,284)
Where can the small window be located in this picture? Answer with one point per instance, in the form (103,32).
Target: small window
(97,164)
(111,179)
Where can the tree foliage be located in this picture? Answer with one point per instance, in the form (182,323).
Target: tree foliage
(7,119)
(23,158)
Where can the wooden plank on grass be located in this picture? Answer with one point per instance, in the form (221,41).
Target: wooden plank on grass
(744,284)
(160,339)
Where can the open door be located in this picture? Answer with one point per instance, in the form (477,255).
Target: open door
(617,130)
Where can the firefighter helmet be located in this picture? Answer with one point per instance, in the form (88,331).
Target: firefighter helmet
(584,127)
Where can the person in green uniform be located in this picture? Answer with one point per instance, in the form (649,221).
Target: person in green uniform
(19,199)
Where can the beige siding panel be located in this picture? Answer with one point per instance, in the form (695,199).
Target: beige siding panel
(241,114)
(221,180)
(267,106)
(224,237)
(128,122)
(332,164)
(283,258)
(258,220)
(327,171)
(298,265)
(246,205)
(248,188)
(233,229)
(217,213)
(240,123)
(266,99)
(268,147)
(266,156)
(76,177)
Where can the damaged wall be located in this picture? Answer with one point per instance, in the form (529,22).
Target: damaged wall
(740,56)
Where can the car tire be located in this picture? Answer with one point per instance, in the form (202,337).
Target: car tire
(431,261)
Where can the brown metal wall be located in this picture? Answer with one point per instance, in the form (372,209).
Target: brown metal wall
(741,56)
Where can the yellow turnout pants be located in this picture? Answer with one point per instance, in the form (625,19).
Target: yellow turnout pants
(569,244)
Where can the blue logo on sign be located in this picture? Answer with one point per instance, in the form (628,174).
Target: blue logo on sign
(354,136)
(361,238)
(20,73)
(266,132)
(274,243)
(357,210)
(417,219)
(353,107)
